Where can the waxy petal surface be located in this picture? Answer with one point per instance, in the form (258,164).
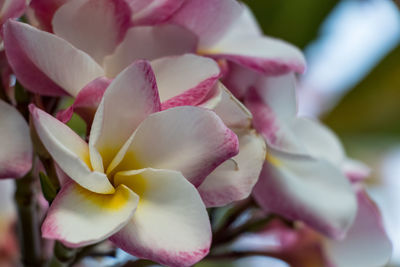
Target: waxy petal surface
(208,19)
(366,243)
(69,151)
(234,179)
(11,9)
(44,11)
(307,189)
(78,217)
(188,139)
(16,146)
(170,225)
(153,11)
(150,42)
(93,26)
(265,55)
(232,112)
(184,80)
(130,98)
(45,63)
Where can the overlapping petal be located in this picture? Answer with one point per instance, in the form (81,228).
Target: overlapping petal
(188,139)
(16,148)
(170,225)
(78,22)
(129,99)
(366,243)
(44,11)
(234,179)
(307,189)
(208,19)
(45,63)
(11,9)
(66,147)
(87,101)
(145,12)
(78,217)
(149,42)
(185,80)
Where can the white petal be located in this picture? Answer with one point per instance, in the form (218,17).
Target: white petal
(171,225)
(307,189)
(147,42)
(130,98)
(188,139)
(263,54)
(177,75)
(78,22)
(45,63)
(16,146)
(69,151)
(232,112)
(234,179)
(366,243)
(78,217)
(209,19)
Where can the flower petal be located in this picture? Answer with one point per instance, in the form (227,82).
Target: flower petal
(130,98)
(184,80)
(147,42)
(153,12)
(188,139)
(78,22)
(307,189)
(45,63)
(366,243)
(16,148)
(263,54)
(87,101)
(272,101)
(208,19)
(44,11)
(78,217)
(69,151)
(234,179)
(11,9)
(171,225)
(355,170)
(232,112)
(318,140)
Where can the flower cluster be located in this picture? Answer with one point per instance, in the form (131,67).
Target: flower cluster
(188,107)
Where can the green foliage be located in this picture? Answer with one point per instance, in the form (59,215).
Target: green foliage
(295,21)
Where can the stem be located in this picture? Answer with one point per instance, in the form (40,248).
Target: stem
(249,226)
(28,223)
(62,256)
(234,214)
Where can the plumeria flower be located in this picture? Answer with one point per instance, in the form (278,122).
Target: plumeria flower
(304,163)
(365,245)
(235,178)
(228,30)
(135,181)
(79,51)
(16,151)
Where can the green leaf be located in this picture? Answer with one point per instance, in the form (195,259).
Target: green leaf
(48,189)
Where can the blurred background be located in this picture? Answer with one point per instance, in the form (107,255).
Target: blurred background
(352,83)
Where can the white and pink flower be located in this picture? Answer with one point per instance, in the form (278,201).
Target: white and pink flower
(135,181)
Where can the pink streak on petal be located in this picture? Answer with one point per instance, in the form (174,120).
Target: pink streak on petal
(87,101)
(193,96)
